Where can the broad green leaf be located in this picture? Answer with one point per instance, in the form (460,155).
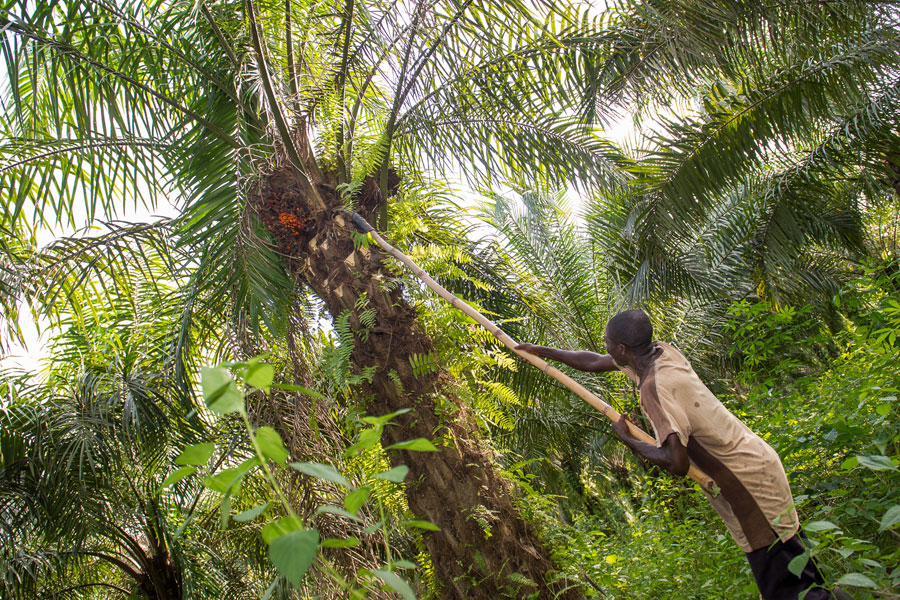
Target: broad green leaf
(374,527)
(355,499)
(320,471)
(427,525)
(890,518)
(270,444)
(339,543)
(293,552)
(397,474)
(883,409)
(798,563)
(176,476)
(396,583)
(260,376)
(224,481)
(861,546)
(416,445)
(871,563)
(857,580)
(819,526)
(281,527)
(334,510)
(405,564)
(850,463)
(220,392)
(385,418)
(367,439)
(250,513)
(877,463)
(197,454)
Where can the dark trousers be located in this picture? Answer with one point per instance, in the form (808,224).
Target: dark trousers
(770,569)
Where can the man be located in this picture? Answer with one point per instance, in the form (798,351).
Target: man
(690,424)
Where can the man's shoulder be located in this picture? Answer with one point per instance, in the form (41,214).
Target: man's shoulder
(671,361)
(675,375)
(670,352)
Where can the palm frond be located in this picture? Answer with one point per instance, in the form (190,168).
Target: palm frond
(763,121)
(658,52)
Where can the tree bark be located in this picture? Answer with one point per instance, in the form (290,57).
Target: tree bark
(483,549)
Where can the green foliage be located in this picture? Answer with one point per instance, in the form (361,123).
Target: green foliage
(423,364)
(293,553)
(774,142)
(339,350)
(838,430)
(89,449)
(764,339)
(826,402)
(293,546)
(647,538)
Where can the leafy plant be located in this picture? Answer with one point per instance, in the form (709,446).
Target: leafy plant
(838,431)
(293,545)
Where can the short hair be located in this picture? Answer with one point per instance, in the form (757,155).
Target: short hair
(632,328)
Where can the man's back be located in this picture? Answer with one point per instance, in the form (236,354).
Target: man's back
(755,500)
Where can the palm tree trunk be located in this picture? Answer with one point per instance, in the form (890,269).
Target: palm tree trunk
(483,541)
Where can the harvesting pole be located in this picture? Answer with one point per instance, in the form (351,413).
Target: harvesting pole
(705,481)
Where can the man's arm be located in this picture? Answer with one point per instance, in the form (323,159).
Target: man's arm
(581,360)
(672,456)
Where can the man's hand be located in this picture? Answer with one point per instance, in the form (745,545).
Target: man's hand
(672,456)
(531,349)
(621,427)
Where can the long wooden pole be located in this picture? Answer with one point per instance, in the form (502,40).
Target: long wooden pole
(705,481)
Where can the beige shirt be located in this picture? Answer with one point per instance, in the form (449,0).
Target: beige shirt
(746,469)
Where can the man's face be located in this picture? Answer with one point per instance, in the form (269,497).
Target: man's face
(617,351)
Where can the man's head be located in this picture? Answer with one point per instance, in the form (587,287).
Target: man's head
(628,333)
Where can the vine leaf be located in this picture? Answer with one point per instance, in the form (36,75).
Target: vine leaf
(293,553)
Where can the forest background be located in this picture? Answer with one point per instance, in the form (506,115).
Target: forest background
(247,399)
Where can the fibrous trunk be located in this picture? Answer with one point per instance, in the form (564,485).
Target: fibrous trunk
(483,549)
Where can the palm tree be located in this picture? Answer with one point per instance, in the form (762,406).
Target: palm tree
(775,130)
(788,123)
(776,125)
(262,121)
(87,444)
(84,453)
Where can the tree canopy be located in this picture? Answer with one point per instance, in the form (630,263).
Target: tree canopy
(248,398)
